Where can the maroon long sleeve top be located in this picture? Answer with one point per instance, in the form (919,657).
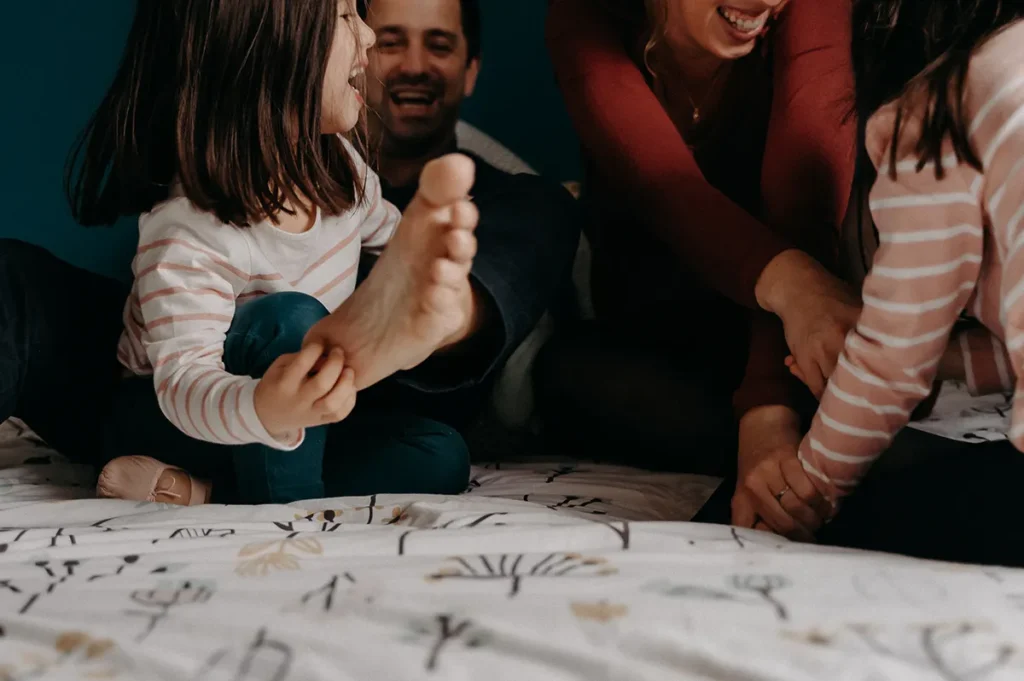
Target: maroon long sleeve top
(781,178)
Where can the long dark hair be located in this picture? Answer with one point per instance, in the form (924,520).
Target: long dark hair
(224,97)
(905,48)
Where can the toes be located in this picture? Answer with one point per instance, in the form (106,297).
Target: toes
(460,246)
(447,179)
(448,273)
(464,215)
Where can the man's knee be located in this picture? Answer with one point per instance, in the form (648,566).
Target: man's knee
(17,257)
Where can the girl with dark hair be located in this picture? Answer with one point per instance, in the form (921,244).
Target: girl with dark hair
(254,211)
(940,86)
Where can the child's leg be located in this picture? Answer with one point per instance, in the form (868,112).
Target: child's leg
(138,430)
(389,451)
(262,331)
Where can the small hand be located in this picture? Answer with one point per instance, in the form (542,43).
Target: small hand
(817,311)
(305,390)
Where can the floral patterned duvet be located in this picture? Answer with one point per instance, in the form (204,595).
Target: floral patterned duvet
(581,582)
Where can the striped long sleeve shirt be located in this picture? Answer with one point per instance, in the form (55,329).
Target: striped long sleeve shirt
(191,274)
(947,246)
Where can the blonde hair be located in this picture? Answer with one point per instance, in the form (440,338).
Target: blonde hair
(657,25)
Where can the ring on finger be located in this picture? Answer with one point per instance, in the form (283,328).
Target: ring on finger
(778,497)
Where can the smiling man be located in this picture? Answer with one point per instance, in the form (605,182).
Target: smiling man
(425,63)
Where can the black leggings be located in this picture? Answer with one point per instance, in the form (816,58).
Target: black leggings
(928,497)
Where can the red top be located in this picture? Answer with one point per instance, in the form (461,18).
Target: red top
(779,176)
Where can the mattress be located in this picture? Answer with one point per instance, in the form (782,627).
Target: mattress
(596,580)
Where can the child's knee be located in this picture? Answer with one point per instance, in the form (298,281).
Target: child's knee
(267,328)
(285,317)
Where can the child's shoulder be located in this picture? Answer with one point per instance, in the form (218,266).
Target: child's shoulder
(179,218)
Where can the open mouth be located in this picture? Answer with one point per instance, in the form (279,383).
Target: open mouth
(355,81)
(743,22)
(413,101)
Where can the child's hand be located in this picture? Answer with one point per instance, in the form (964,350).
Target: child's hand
(301,391)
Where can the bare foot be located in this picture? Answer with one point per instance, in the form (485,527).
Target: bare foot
(413,301)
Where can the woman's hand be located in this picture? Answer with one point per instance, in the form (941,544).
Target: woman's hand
(817,310)
(773,491)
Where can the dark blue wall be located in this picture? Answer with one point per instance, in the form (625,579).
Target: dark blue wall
(56,60)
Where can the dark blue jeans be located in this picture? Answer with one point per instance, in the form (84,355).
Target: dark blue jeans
(373,451)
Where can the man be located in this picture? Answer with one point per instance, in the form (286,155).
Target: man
(425,63)
(59,325)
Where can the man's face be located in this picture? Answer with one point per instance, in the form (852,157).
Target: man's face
(419,73)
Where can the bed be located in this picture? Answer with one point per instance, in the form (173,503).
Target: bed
(561,571)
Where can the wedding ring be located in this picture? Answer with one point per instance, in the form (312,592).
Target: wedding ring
(778,497)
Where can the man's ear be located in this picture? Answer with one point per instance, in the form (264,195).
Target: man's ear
(472,73)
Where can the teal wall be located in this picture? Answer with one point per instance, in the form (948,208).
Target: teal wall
(56,60)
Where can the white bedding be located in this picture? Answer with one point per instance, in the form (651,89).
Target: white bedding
(470,587)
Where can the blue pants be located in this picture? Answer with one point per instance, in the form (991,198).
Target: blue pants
(374,450)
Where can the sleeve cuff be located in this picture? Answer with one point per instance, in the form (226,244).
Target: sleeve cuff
(247,414)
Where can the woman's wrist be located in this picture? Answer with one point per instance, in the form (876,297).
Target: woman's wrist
(769,428)
(780,278)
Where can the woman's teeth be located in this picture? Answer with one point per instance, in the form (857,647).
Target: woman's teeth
(744,22)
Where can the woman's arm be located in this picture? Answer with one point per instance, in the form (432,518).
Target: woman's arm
(625,130)
(810,155)
(809,165)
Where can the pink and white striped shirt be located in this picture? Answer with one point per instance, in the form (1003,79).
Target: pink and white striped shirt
(192,272)
(946,247)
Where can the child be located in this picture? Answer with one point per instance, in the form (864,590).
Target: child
(945,81)
(224,128)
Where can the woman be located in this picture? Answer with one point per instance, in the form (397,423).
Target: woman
(719,164)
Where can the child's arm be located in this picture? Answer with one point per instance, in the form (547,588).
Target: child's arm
(187,287)
(925,269)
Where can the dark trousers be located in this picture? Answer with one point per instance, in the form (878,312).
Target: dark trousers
(374,450)
(927,497)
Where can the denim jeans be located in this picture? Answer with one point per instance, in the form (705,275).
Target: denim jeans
(374,450)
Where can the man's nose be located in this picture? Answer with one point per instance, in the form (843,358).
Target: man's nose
(414,61)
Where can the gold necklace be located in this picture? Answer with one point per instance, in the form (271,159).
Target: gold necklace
(707,95)
(659,83)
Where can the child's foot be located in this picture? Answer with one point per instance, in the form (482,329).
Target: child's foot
(413,301)
(140,478)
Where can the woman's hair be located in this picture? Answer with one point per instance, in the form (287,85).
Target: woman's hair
(905,49)
(225,97)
